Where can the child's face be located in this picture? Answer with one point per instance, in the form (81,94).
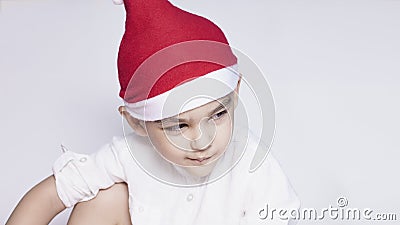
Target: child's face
(194,138)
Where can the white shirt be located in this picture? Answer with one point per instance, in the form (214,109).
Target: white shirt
(235,198)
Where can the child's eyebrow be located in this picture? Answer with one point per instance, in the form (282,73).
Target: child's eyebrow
(170,120)
(222,104)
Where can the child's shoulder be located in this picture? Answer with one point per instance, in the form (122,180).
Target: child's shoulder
(267,179)
(253,149)
(258,159)
(128,142)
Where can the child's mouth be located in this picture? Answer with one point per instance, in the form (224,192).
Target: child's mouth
(200,161)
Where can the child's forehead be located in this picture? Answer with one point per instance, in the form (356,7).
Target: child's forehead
(204,110)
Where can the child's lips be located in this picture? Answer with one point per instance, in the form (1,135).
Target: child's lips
(200,160)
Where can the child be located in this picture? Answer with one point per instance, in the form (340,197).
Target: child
(188,160)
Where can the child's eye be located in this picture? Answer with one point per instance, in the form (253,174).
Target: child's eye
(219,115)
(176,128)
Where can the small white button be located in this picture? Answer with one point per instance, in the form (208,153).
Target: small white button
(83,159)
(141,209)
(189,197)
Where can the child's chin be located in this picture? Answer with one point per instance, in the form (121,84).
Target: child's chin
(201,171)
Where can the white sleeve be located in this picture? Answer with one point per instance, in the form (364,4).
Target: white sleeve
(79,177)
(271,190)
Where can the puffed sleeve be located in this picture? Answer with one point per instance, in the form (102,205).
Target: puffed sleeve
(271,197)
(79,177)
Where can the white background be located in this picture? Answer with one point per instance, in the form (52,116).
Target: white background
(333,66)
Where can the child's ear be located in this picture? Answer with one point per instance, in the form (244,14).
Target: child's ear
(136,124)
(236,95)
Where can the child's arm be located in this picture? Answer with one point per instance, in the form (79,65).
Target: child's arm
(39,206)
(111,206)
(77,178)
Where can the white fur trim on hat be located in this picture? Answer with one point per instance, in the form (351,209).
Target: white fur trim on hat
(187,96)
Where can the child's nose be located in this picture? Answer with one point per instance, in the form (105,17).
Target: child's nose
(201,144)
(203,135)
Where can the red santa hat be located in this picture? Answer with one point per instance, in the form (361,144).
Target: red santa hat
(171,61)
